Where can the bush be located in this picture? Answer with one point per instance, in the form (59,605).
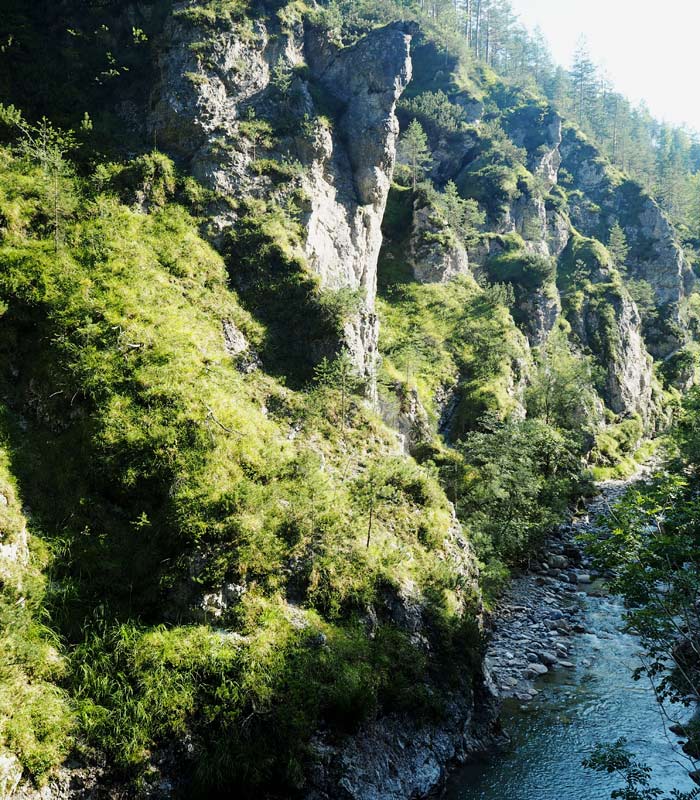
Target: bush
(435,112)
(528,270)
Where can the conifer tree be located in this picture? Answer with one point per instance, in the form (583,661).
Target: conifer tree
(617,246)
(414,150)
(584,82)
(463,216)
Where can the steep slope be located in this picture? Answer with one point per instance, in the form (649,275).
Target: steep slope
(516,159)
(600,196)
(238,563)
(327,143)
(287,413)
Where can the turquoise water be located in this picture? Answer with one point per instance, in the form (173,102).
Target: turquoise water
(597,702)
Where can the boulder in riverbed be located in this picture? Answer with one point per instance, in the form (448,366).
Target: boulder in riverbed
(547,658)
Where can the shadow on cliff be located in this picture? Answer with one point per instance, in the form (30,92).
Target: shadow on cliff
(302,323)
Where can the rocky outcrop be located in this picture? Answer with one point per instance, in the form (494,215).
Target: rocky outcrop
(394,758)
(601,199)
(436,254)
(349,184)
(398,756)
(343,166)
(540,310)
(608,324)
(411,421)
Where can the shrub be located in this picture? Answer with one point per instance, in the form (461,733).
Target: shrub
(528,270)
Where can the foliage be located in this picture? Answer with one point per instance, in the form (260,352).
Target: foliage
(413,150)
(616,759)
(644,296)
(163,473)
(463,216)
(651,547)
(617,246)
(36,721)
(166,470)
(258,132)
(211,12)
(435,112)
(561,390)
(450,335)
(247,704)
(518,478)
(148,182)
(47,146)
(528,270)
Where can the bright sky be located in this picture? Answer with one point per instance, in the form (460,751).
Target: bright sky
(651,50)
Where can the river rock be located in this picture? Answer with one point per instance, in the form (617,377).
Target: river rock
(547,658)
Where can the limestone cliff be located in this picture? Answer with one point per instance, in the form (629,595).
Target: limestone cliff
(602,196)
(205,112)
(540,185)
(436,254)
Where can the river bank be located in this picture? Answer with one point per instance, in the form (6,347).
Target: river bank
(538,617)
(562,666)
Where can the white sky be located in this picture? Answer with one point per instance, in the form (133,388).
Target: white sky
(651,50)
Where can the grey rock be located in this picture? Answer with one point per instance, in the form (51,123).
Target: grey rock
(547,658)
(197,112)
(557,561)
(436,254)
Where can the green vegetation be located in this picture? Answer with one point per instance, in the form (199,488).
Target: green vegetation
(617,246)
(651,549)
(224,539)
(527,270)
(414,151)
(616,759)
(519,477)
(434,111)
(213,12)
(36,721)
(162,472)
(454,335)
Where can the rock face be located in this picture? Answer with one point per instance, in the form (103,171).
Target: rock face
(349,184)
(540,309)
(655,254)
(612,330)
(345,165)
(394,759)
(436,254)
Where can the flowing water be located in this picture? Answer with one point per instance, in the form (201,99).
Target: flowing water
(598,701)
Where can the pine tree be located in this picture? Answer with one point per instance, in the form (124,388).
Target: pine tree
(48,146)
(617,245)
(584,79)
(463,216)
(414,150)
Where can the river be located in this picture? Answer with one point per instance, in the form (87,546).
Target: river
(595,699)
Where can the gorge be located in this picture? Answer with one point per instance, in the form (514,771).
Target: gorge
(320,325)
